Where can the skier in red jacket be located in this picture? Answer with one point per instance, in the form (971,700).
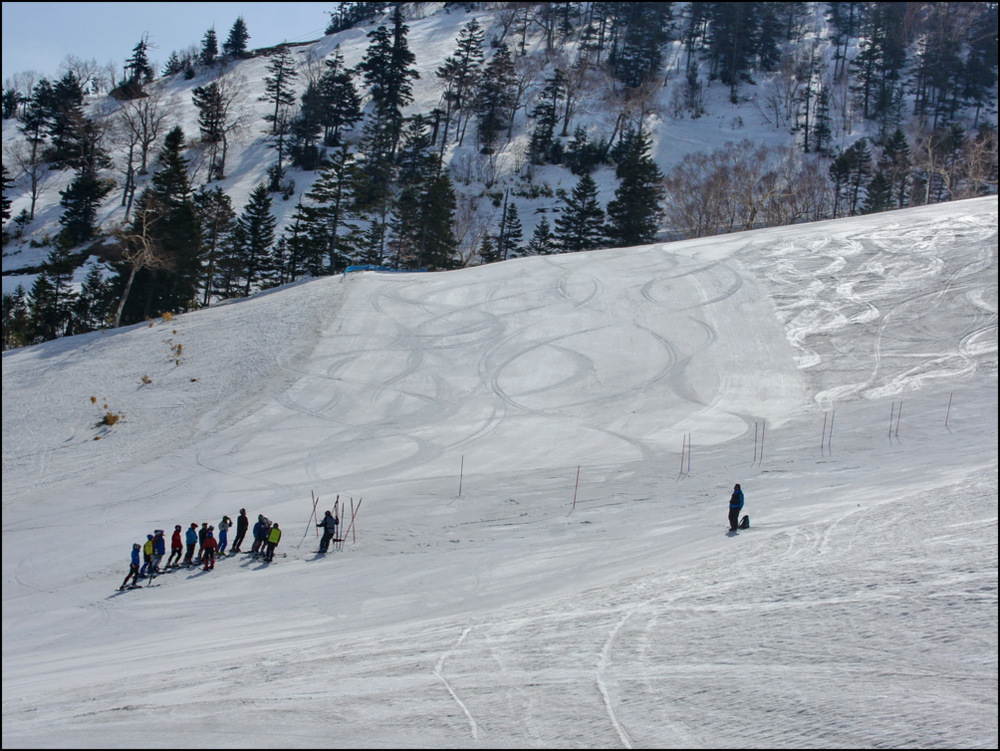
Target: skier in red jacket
(208,551)
(176,548)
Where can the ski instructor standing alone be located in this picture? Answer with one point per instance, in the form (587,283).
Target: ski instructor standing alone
(735,506)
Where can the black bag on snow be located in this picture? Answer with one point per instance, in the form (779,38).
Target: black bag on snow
(745,522)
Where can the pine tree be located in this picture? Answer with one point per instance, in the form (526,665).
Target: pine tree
(461,73)
(542,242)
(251,257)
(328,224)
(278,85)
(236,43)
(388,71)
(494,100)
(209,47)
(879,194)
(137,68)
(93,306)
(580,225)
(546,116)
(510,235)
(341,103)
(216,217)
(633,212)
(644,31)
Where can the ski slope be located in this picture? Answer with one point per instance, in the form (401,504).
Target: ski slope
(534,561)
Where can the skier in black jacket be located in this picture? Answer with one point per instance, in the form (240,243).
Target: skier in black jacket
(242,524)
(329,525)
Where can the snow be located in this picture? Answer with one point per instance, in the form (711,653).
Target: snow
(844,372)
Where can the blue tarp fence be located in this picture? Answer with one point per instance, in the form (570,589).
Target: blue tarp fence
(369,267)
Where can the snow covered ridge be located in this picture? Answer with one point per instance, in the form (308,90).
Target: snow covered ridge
(859,610)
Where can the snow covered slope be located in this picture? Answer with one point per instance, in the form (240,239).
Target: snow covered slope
(844,372)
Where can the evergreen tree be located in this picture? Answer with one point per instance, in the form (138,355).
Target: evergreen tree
(278,86)
(216,217)
(878,66)
(16,319)
(511,233)
(340,101)
(45,319)
(80,202)
(580,225)
(251,256)
(895,167)
(209,47)
(546,116)
(494,101)
(644,31)
(461,73)
(328,225)
(166,224)
(173,65)
(542,241)
(93,307)
(438,245)
(236,43)
(211,123)
(388,71)
(879,194)
(633,212)
(979,74)
(137,68)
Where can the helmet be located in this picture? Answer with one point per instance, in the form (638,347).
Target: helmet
(135,546)
(210,528)
(149,537)
(177,527)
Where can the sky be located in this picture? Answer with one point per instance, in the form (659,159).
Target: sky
(39,36)
(537,456)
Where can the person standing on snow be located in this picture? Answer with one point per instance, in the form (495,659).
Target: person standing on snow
(272,541)
(208,549)
(176,548)
(735,506)
(133,567)
(191,539)
(202,533)
(224,526)
(159,550)
(329,525)
(242,524)
(147,556)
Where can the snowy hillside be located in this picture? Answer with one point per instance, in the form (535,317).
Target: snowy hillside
(539,454)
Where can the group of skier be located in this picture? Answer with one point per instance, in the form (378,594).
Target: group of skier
(266,535)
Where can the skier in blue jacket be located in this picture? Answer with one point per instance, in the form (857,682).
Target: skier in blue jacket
(190,539)
(133,567)
(735,506)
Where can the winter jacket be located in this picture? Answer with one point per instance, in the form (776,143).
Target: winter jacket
(191,536)
(258,530)
(159,545)
(224,525)
(330,524)
(135,557)
(211,544)
(736,501)
(147,549)
(275,535)
(241,524)
(175,540)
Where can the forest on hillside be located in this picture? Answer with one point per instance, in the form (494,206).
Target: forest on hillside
(879,106)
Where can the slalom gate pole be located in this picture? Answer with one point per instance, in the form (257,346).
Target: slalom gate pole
(683,444)
(822,440)
(899,414)
(829,443)
(892,414)
(946,414)
(689,453)
(354,513)
(461,473)
(763,428)
(577,486)
(754,443)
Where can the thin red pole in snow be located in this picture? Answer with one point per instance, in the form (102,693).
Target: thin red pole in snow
(898,415)
(949,409)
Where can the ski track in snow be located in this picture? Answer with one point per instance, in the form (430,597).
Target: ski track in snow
(859,610)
